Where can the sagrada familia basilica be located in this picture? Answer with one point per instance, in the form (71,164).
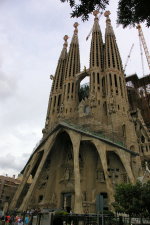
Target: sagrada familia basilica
(90,142)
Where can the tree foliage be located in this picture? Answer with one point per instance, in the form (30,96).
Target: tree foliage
(130,12)
(83,92)
(84,7)
(133,199)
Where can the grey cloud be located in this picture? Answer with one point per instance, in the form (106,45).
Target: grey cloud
(7,86)
(12,162)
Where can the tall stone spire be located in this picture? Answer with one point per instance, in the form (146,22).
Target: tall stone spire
(72,68)
(117,106)
(60,70)
(96,53)
(112,55)
(113,65)
(73,60)
(55,99)
(96,66)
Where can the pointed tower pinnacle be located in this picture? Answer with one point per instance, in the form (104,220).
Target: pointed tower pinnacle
(73,59)
(116,97)
(109,28)
(96,61)
(96,53)
(72,68)
(112,55)
(55,99)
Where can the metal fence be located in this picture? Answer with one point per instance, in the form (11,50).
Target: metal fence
(85,219)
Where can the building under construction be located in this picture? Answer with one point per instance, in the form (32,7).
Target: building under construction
(91,141)
(139,96)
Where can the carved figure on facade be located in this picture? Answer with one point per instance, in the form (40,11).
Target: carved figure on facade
(92,100)
(53,200)
(84,107)
(112,105)
(67,174)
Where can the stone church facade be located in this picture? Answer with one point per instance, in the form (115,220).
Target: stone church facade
(88,146)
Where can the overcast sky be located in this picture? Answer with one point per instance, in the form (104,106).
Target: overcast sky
(31,39)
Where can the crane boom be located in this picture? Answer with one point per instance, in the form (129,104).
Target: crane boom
(142,39)
(128,57)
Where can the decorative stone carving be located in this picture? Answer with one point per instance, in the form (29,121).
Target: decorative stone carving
(67,174)
(84,108)
(92,100)
(112,106)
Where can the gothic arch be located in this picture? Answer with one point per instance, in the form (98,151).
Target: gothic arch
(92,174)
(116,170)
(56,174)
(83,89)
(29,171)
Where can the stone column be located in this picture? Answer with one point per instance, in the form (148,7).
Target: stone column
(101,148)
(75,138)
(126,162)
(24,204)
(118,84)
(24,181)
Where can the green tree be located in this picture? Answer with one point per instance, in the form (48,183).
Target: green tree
(84,7)
(83,92)
(130,12)
(133,199)
(146,196)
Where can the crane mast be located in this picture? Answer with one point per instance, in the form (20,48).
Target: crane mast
(142,39)
(128,57)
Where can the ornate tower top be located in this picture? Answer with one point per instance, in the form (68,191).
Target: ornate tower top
(73,59)
(95,13)
(64,50)
(109,28)
(96,52)
(107,13)
(112,55)
(76,28)
(65,39)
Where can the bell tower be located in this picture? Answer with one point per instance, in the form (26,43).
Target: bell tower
(117,106)
(70,99)
(55,99)
(96,66)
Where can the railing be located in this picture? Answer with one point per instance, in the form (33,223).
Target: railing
(51,218)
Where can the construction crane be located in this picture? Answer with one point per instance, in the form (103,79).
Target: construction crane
(128,57)
(142,40)
(146,87)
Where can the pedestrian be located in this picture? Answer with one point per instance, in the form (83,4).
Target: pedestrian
(16,220)
(26,220)
(7,219)
(3,220)
(20,221)
(12,220)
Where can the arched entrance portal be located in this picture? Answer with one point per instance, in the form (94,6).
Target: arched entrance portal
(116,170)
(55,184)
(27,184)
(92,176)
